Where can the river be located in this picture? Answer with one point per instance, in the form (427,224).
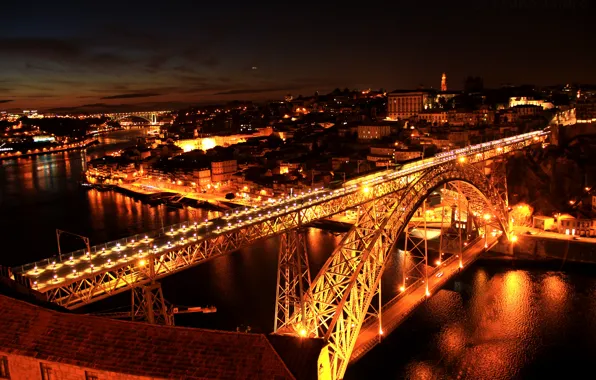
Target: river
(493,322)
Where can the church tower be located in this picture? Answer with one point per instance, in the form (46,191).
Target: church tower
(444,82)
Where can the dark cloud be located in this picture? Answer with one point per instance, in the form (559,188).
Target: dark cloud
(95,105)
(199,57)
(245,91)
(6,100)
(39,96)
(129,96)
(41,46)
(210,62)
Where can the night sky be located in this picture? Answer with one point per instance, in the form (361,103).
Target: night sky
(104,55)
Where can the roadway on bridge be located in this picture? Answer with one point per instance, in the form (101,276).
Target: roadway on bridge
(398,309)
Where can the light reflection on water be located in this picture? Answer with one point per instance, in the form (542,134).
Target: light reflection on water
(493,323)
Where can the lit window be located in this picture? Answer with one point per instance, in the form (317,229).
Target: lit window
(4,373)
(47,372)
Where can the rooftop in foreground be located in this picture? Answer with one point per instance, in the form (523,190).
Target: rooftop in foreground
(149,350)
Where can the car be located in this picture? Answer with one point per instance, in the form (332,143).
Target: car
(439,274)
(576,238)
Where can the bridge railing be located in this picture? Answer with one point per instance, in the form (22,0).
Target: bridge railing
(107,246)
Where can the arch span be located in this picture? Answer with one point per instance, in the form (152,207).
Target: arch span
(482,196)
(147,118)
(340,296)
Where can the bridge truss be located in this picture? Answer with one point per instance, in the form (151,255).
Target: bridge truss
(151,116)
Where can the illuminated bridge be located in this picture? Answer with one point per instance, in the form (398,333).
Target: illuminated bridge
(342,303)
(150,116)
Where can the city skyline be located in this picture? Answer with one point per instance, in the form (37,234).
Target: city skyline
(87,57)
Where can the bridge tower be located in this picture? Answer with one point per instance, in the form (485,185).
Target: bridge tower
(148,303)
(450,240)
(293,277)
(415,261)
(497,173)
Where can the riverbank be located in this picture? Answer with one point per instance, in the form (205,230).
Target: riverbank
(62,148)
(546,249)
(171,198)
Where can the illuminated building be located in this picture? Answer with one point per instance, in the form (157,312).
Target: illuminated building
(528,101)
(222,171)
(407,103)
(444,82)
(369,132)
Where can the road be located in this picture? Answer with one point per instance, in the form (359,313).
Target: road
(398,309)
(536,232)
(213,198)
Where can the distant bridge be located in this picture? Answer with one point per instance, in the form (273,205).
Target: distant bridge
(150,116)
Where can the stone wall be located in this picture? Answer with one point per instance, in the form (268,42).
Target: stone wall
(535,247)
(24,367)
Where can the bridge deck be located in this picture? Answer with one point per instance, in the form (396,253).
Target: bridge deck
(399,308)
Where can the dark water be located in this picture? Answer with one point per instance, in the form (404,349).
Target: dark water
(494,322)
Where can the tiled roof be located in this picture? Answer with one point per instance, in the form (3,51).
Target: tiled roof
(300,354)
(136,348)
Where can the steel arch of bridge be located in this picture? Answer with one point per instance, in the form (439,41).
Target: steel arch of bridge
(151,117)
(340,296)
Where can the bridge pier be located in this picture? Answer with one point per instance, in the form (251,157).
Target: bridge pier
(148,305)
(293,279)
(415,259)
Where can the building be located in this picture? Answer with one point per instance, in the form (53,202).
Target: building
(526,101)
(403,104)
(444,82)
(222,171)
(401,155)
(459,138)
(202,177)
(569,225)
(39,342)
(371,132)
(435,117)
(545,223)
(337,162)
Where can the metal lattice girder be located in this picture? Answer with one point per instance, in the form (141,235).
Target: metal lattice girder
(148,305)
(415,259)
(293,277)
(109,278)
(450,240)
(498,176)
(342,291)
